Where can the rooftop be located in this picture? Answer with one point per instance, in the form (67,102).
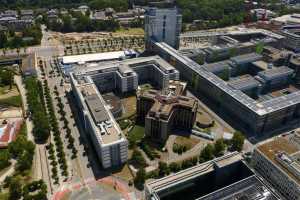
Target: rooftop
(166,101)
(106,127)
(29,63)
(192,172)
(275,72)
(93,57)
(125,66)
(289,19)
(277,145)
(244,83)
(208,181)
(245,58)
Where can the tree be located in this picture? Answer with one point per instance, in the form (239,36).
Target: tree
(219,147)
(15,189)
(140,178)
(174,167)
(207,153)
(16,147)
(3,39)
(163,169)
(36,190)
(4,159)
(138,159)
(237,141)
(24,161)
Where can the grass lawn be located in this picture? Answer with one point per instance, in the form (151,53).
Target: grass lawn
(3,90)
(129,104)
(137,133)
(3,196)
(12,101)
(130,31)
(124,173)
(146,86)
(186,141)
(6,90)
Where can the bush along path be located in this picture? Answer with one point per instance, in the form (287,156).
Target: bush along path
(62,113)
(56,132)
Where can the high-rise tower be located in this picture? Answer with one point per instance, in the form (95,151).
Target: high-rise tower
(163,24)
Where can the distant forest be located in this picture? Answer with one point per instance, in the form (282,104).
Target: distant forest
(119,5)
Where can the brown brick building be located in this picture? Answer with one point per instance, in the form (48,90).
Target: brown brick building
(166,110)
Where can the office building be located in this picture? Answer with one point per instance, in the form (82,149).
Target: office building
(291,19)
(108,140)
(163,24)
(226,177)
(274,111)
(292,37)
(94,79)
(278,161)
(164,111)
(68,63)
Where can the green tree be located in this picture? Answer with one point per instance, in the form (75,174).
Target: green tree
(140,178)
(3,39)
(163,169)
(15,189)
(4,158)
(174,167)
(36,190)
(219,147)
(138,159)
(259,48)
(207,153)
(237,141)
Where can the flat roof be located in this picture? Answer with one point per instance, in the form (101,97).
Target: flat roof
(261,64)
(260,108)
(276,145)
(93,57)
(193,172)
(97,109)
(275,72)
(293,18)
(217,66)
(29,63)
(244,83)
(106,128)
(125,66)
(245,58)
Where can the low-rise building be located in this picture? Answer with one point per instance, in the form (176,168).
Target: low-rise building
(29,65)
(263,14)
(292,19)
(292,37)
(68,63)
(98,15)
(10,13)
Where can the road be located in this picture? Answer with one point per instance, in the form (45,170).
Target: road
(80,169)
(41,163)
